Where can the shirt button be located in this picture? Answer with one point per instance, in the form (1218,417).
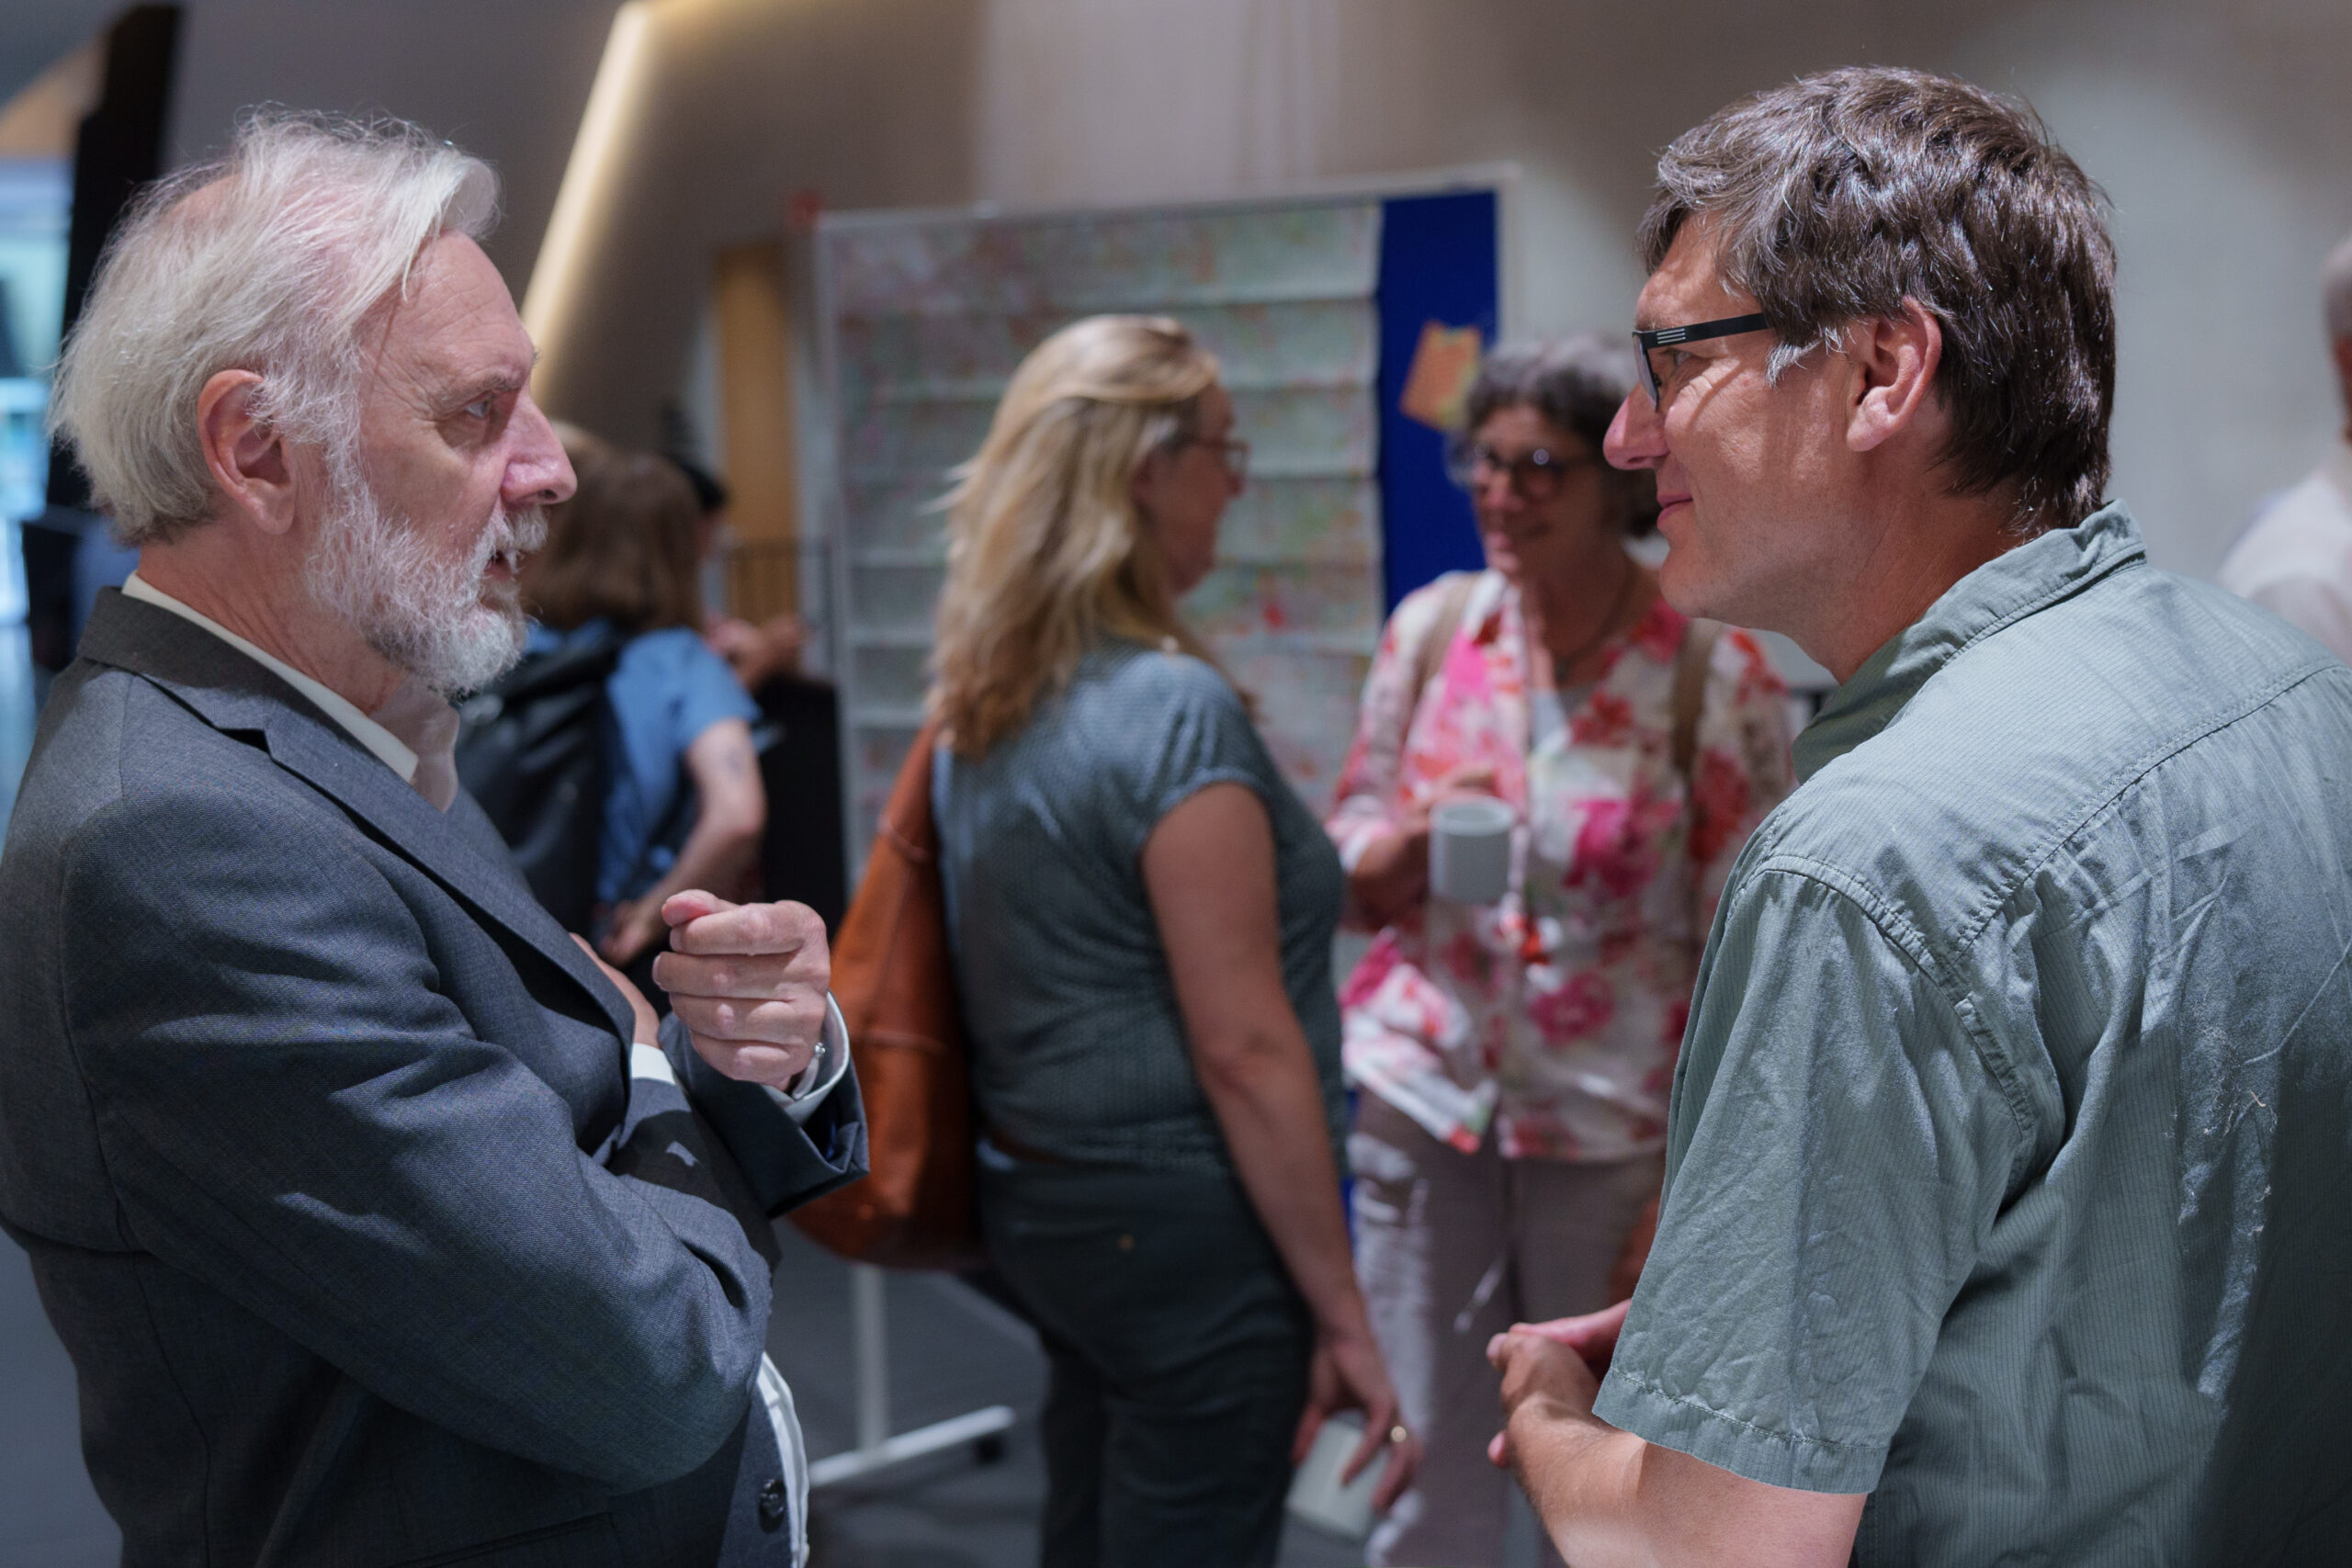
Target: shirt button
(772,1505)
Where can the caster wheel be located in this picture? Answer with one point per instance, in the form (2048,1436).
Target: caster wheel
(988,1450)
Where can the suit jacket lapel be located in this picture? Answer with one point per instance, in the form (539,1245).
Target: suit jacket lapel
(236,695)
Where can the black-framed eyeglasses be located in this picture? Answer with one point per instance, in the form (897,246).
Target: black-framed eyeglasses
(1534,475)
(1231,450)
(1666,337)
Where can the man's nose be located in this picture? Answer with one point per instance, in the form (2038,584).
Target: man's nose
(1636,437)
(539,473)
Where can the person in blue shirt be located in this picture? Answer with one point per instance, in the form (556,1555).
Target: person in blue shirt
(684,806)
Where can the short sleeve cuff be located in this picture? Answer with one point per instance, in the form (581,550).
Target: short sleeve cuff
(715,707)
(1631,1402)
(709,693)
(1360,822)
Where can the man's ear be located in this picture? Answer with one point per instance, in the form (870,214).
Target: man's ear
(247,457)
(2343,352)
(1896,356)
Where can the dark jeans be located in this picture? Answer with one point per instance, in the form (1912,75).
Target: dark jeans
(1179,1352)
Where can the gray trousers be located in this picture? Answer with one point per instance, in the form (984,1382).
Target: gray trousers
(1177,1349)
(1451,1249)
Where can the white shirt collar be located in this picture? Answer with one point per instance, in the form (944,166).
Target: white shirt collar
(366,731)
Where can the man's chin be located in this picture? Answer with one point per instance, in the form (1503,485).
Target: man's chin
(498,653)
(1682,583)
(468,657)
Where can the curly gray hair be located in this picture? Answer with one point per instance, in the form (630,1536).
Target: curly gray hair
(1575,383)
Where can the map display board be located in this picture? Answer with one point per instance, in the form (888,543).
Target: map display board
(924,317)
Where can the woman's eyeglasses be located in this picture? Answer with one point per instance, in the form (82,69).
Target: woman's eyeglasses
(1231,450)
(1534,476)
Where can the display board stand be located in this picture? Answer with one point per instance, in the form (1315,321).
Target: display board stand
(924,316)
(877,1448)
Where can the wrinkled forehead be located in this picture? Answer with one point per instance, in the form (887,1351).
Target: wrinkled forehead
(454,322)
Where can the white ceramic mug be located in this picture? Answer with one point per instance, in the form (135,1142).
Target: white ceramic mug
(1470,849)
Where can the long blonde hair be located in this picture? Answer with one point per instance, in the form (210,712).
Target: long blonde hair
(1046,553)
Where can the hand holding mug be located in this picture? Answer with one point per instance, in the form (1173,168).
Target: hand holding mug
(1470,843)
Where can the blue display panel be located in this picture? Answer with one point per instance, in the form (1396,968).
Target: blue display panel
(1439,261)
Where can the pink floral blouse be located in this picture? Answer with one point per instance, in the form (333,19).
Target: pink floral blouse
(1555,1016)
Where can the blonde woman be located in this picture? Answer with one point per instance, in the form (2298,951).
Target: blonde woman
(1141,913)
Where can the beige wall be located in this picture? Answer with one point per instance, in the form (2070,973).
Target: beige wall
(34,34)
(742,103)
(506,79)
(2220,127)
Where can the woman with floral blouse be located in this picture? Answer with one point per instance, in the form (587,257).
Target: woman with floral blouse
(1513,1059)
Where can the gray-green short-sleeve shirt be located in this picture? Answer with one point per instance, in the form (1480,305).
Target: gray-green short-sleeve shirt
(2009,1168)
(1077,1048)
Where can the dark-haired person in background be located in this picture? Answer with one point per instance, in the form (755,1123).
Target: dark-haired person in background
(2005,1218)
(802,853)
(1513,1058)
(683,805)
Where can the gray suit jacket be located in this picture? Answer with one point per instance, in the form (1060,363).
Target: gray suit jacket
(310,1120)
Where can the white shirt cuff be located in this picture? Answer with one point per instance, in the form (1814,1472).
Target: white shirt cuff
(817,1079)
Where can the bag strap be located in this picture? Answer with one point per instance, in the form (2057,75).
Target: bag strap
(1691,662)
(905,817)
(905,835)
(1429,654)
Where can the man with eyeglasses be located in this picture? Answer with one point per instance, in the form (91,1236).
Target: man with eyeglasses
(2004,1216)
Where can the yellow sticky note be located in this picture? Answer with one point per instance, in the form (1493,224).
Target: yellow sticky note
(1445,363)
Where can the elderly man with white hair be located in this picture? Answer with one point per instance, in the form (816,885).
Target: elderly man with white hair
(382,1223)
(2295,560)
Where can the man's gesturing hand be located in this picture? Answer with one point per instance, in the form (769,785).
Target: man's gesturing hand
(1556,1365)
(748,981)
(1541,1377)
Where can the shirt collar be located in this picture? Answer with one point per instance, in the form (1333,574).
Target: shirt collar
(366,731)
(2005,589)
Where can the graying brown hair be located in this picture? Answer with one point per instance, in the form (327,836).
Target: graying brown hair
(1838,196)
(266,260)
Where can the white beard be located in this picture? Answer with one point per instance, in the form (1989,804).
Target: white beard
(446,623)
